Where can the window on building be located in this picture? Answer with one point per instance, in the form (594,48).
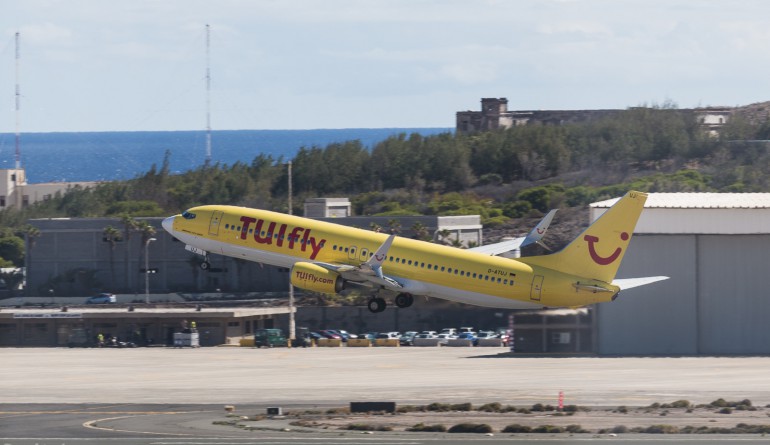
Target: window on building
(25,200)
(2,201)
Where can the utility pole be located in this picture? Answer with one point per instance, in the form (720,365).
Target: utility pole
(208,95)
(292,326)
(147,270)
(18,107)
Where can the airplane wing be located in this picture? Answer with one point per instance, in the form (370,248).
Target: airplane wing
(628,283)
(369,272)
(534,236)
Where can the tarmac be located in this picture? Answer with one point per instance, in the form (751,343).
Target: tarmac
(337,376)
(169,395)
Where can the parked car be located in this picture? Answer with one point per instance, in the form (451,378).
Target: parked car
(269,338)
(444,338)
(387,335)
(408,338)
(326,333)
(368,335)
(450,331)
(424,335)
(486,334)
(469,336)
(103,298)
(433,333)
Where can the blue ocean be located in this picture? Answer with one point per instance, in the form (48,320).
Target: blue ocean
(104,156)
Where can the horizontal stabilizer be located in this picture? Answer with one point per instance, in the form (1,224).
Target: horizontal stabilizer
(628,283)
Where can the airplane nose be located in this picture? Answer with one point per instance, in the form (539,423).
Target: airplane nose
(168,224)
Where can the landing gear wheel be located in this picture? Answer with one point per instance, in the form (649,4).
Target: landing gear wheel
(205,265)
(376,305)
(404,300)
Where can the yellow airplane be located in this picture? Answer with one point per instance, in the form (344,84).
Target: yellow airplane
(329,258)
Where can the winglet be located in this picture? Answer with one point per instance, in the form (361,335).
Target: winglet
(538,232)
(375,262)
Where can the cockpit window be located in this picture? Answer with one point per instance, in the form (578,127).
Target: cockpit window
(188,215)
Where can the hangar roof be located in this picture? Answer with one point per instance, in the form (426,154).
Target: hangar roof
(699,201)
(699,213)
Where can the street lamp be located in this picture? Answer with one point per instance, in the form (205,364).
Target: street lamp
(147,270)
(292,328)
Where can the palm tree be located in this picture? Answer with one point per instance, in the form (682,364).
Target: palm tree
(146,230)
(31,234)
(129,224)
(112,236)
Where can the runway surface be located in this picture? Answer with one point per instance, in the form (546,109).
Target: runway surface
(152,395)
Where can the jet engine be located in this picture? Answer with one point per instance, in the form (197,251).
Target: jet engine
(316,278)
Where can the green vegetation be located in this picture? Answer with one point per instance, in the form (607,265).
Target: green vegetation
(522,171)
(479,428)
(421,427)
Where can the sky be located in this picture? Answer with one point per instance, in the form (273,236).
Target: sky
(140,65)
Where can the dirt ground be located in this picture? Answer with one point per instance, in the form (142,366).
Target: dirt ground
(591,419)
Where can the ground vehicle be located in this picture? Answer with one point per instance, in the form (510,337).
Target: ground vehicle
(103,298)
(424,335)
(387,335)
(486,334)
(269,338)
(407,339)
(326,333)
(433,333)
(469,336)
(450,331)
(444,338)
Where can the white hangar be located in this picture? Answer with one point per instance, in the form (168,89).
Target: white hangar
(716,249)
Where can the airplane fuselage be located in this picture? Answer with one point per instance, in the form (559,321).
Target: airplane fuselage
(422,268)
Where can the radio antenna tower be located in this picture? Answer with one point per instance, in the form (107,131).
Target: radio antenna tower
(208,95)
(18,107)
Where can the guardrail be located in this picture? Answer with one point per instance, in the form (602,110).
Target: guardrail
(329,342)
(359,343)
(426,341)
(390,342)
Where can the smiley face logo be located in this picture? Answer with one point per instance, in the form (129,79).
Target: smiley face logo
(598,259)
(540,231)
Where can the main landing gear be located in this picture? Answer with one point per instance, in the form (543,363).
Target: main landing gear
(404,300)
(377,304)
(205,265)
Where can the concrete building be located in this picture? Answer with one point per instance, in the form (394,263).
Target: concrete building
(328,208)
(16,193)
(494,115)
(716,249)
(57,327)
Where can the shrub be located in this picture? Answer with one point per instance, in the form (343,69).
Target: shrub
(538,407)
(620,429)
(461,407)
(491,407)
(725,410)
(440,407)
(660,429)
(421,427)
(575,429)
(622,410)
(681,404)
(366,427)
(480,428)
(516,428)
(570,408)
(548,429)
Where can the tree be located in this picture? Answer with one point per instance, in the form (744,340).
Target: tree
(112,236)
(146,231)
(129,225)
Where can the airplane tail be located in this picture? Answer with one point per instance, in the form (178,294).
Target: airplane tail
(598,251)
